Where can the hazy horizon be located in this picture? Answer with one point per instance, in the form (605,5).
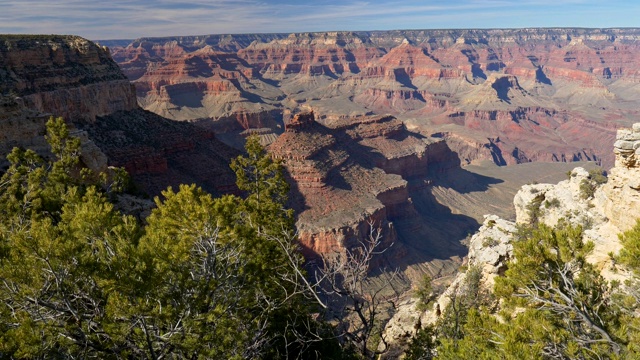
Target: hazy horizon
(129,19)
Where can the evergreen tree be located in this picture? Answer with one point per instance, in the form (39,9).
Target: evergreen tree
(555,305)
(205,278)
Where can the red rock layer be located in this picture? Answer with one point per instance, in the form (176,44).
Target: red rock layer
(427,76)
(66,76)
(350,174)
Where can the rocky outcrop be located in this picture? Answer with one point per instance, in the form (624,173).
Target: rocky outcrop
(620,196)
(68,76)
(603,210)
(349,175)
(337,198)
(547,94)
(614,206)
(489,249)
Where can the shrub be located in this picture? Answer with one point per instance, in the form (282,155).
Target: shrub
(588,186)
(488,242)
(553,203)
(533,208)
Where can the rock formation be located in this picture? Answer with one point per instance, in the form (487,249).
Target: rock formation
(349,175)
(608,210)
(68,76)
(546,94)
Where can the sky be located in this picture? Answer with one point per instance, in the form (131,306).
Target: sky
(130,19)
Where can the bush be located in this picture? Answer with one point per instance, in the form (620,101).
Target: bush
(553,203)
(488,242)
(533,209)
(588,186)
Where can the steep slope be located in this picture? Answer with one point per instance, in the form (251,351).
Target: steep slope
(68,76)
(603,210)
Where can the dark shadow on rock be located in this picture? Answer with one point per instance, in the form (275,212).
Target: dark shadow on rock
(158,152)
(204,70)
(296,200)
(502,86)
(403,78)
(541,77)
(436,232)
(495,66)
(336,179)
(477,72)
(192,99)
(496,154)
(464,182)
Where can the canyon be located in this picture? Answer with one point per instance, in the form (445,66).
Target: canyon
(417,134)
(68,76)
(390,130)
(509,96)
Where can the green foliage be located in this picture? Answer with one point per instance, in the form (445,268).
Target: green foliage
(64,252)
(263,179)
(589,185)
(534,210)
(630,253)
(587,189)
(598,175)
(205,278)
(554,304)
(553,203)
(452,324)
(422,346)
(489,241)
(425,293)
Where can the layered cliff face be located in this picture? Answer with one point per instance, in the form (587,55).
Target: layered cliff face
(71,77)
(65,75)
(351,175)
(545,94)
(603,210)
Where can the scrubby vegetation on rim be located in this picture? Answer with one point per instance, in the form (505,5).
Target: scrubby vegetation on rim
(221,278)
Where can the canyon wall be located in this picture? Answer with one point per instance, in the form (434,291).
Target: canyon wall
(71,77)
(353,176)
(65,75)
(604,212)
(509,96)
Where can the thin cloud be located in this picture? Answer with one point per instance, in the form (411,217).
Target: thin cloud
(137,18)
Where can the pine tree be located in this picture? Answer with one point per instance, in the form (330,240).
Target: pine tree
(205,278)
